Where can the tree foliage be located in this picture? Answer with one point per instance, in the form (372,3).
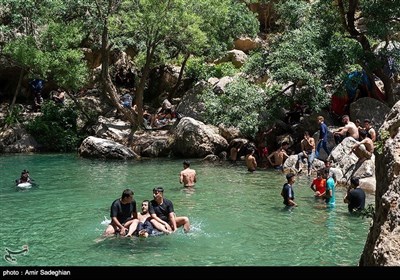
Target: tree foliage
(56,128)
(242,105)
(197,70)
(42,44)
(315,50)
(163,29)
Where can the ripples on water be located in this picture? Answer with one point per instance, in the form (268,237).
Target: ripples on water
(237,218)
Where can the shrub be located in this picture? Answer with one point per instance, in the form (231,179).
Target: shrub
(56,128)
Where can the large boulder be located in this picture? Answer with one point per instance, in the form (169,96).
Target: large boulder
(113,129)
(151,143)
(247,44)
(220,86)
(229,133)
(344,159)
(369,108)
(15,139)
(290,165)
(195,139)
(237,57)
(191,105)
(93,147)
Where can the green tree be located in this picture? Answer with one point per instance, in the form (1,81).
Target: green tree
(242,105)
(104,12)
(161,30)
(56,127)
(380,27)
(222,22)
(42,44)
(315,50)
(154,25)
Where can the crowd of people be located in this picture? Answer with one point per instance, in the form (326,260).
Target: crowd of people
(365,136)
(156,216)
(323,187)
(324,184)
(36,87)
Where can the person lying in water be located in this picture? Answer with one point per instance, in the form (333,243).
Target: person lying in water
(24,177)
(145,227)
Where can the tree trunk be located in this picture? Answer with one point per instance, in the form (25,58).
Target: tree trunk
(142,83)
(108,88)
(349,22)
(79,106)
(21,75)
(172,94)
(387,84)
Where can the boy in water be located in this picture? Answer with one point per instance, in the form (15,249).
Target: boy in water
(287,191)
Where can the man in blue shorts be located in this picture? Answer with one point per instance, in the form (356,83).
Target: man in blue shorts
(163,215)
(145,227)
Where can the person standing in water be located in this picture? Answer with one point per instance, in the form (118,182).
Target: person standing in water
(355,197)
(330,188)
(188,176)
(251,162)
(287,191)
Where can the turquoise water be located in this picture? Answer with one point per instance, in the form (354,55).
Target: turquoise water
(237,218)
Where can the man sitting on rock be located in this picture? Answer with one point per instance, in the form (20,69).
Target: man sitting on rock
(349,129)
(363,149)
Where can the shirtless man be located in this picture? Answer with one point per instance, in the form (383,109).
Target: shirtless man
(234,152)
(58,96)
(251,162)
(144,228)
(187,176)
(349,129)
(363,149)
(307,151)
(279,156)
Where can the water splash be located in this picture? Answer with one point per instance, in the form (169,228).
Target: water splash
(106,221)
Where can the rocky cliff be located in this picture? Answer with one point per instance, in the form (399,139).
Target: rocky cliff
(382,247)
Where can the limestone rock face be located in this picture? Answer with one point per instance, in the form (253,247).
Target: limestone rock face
(191,105)
(369,108)
(246,44)
(345,160)
(195,139)
(382,247)
(237,57)
(16,140)
(93,147)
